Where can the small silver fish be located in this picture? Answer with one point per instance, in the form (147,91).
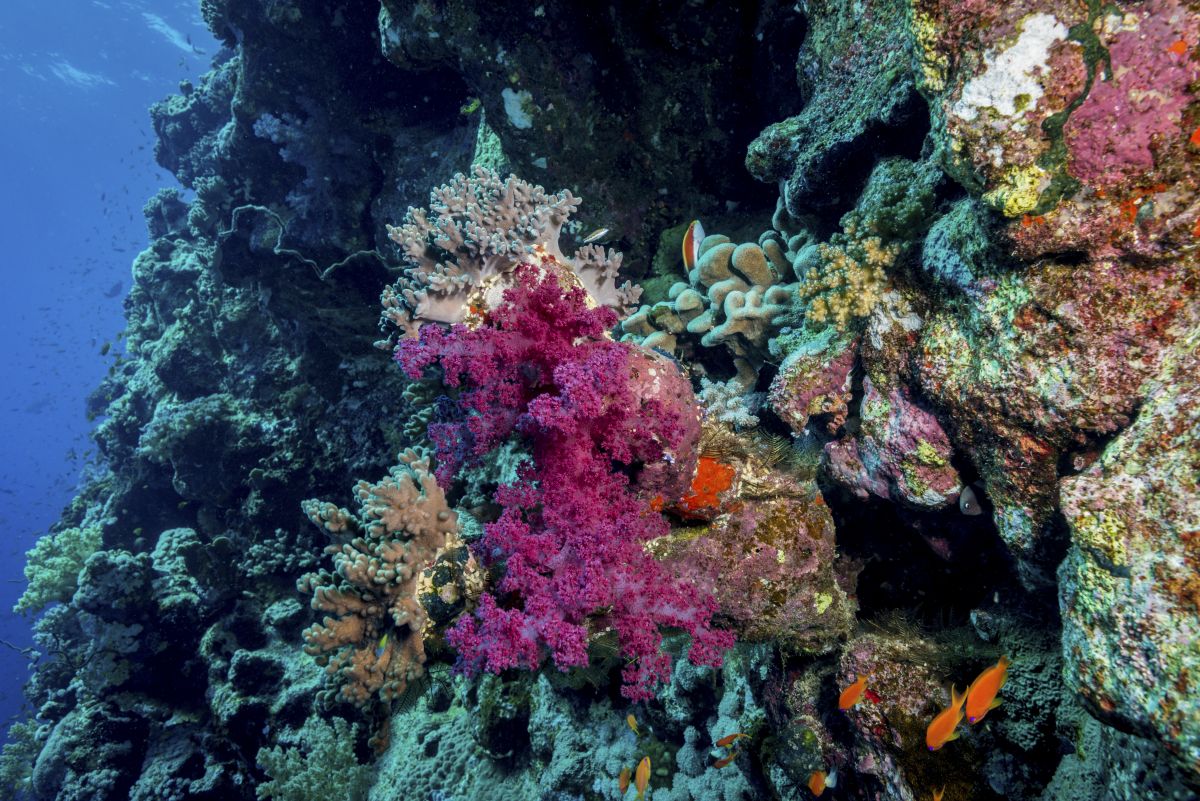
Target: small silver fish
(595,236)
(968,504)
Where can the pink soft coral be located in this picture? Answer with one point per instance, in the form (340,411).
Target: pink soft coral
(609,426)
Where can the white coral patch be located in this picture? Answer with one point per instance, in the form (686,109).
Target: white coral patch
(1010,74)
(515,104)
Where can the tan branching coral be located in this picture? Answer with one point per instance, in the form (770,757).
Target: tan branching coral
(850,278)
(477,229)
(736,297)
(371,641)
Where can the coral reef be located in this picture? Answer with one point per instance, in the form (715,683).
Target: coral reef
(979,285)
(768,557)
(736,297)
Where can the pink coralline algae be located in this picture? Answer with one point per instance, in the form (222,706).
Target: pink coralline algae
(1138,104)
(900,452)
(772,565)
(571,531)
(814,381)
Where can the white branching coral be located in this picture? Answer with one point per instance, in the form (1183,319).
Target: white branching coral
(476,231)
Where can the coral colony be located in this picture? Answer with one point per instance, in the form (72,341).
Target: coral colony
(883,488)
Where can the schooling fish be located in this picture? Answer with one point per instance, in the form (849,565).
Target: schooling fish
(819,780)
(981,695)
(725,760)
(623,780)
(641,779)
(942,728)
(937,794)
(632,721)
(851,695)
(691,244)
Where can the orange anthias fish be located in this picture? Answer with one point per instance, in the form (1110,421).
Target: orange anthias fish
(691,244)
(937,794)
(852,694)
(641,779)
(981,695)
(623,780)
(632,721)
(819,780)
(942,729)
(725,760)
(730,739)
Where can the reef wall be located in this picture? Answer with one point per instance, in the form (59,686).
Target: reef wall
(925,397)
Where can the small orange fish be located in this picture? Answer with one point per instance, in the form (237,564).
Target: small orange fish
(1178,48)
(641,779)
(981,695)
(632,721)
(730,739)
(851,695)
(723,761)
(819,780)
(1195,137)
(942,728)
(937,794)
(623,780)
(691,244)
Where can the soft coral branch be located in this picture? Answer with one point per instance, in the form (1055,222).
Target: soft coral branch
(610,426)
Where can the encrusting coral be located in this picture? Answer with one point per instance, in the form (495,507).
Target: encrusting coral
(372,638)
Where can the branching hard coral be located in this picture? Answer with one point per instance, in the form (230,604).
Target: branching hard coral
(850,279)
(461,252)
(610,426)
(736,297)
(372,638)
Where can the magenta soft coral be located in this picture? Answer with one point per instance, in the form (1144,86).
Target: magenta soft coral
(594,412)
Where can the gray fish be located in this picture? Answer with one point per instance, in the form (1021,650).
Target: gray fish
(968,504)
(595,236)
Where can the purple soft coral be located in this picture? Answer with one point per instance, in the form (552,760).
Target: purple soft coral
(571,530)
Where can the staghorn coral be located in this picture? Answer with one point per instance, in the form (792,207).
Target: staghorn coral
(403,525)
(461,252)
(571,528)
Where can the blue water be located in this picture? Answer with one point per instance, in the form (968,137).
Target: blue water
(77,158)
